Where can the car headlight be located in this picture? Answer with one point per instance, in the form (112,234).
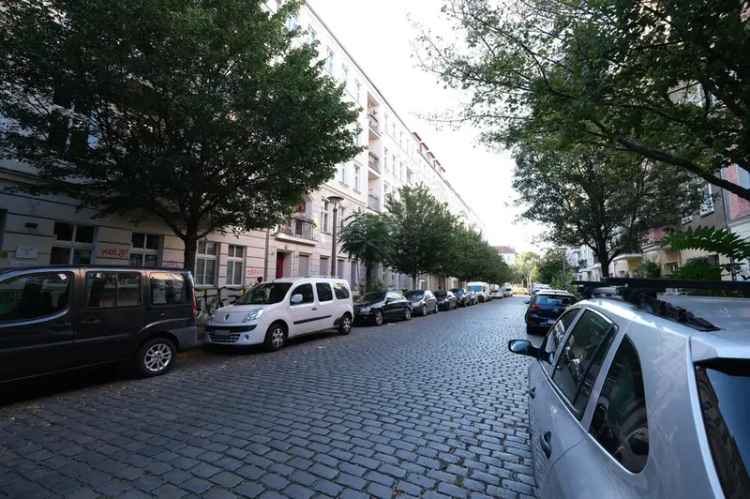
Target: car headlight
(253,316)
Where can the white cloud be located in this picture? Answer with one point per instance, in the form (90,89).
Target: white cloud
(380,37)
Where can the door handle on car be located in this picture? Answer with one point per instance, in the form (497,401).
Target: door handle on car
(91,322)
(314,309)
(532,392)
(545,441)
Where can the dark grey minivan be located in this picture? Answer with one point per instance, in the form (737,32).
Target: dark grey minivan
(60,318)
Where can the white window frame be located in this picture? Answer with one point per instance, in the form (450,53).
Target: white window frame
(143,251)
(74,245)
(233,261)
(325,217)
(357,177)
(707,205)
(200,278)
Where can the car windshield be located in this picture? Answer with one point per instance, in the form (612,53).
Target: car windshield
(554,301)
(265,294)
(725,405)
(414,295)
(372,298)
(475,289)
(457,291)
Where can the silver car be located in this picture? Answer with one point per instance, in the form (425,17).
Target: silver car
(625,402)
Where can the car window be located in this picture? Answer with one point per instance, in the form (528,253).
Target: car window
(32,296)
(306,290)
(393,296)
(554,301)
(324,291)
(128,289)
(581,357)
(556,336)
(265,294)
(620,424)
(168,288)
(342,292)
(723,391)
(101,289)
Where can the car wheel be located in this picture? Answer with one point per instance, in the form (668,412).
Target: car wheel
(275,337)
(155,357)
(423,311)
(407,314)
(378,318)
(435,310)
(345,324)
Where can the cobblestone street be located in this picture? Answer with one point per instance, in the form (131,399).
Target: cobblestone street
(435,407)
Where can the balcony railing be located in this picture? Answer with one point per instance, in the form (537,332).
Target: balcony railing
(301,229)
(374,123)
(373,202)
(374,162)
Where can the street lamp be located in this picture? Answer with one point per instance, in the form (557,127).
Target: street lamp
(334,200)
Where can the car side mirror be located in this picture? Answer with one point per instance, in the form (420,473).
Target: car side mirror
(296,299)
(524,347)
(526,302)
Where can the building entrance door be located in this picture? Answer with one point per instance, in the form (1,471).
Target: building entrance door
(280,260)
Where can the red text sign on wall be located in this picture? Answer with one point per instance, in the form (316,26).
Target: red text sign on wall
(113,252)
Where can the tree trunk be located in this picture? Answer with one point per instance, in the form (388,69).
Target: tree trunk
(369,267)
(415,280)
(191,249)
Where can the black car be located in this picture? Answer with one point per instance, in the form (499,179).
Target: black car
(376,308)
(60,318)
(446,300)
(545,307)
(463,297)
(423,302)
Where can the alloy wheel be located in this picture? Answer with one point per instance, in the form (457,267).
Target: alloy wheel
(157,358)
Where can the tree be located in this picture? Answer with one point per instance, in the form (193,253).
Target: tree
(606,201)
(366,238)
(209,115)
(472,258)
(664,80)
(420,231)
(526,267)
(714,240)
(554,268)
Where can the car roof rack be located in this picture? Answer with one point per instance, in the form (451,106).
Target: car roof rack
(643,293)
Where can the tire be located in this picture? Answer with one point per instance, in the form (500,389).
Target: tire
(378,318)
(275,337)
(407,314)
(155,357)
(423,311)
(345,324)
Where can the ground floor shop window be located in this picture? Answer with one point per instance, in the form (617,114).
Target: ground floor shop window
(235,265)
(304,266)
(144,250)
(73,244)
(206,263)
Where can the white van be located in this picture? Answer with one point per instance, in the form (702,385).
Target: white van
(507,290)
(481,289)
(271,313)
(496,292)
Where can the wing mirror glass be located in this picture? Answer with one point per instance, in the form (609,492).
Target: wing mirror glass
(296,299)
(523,347)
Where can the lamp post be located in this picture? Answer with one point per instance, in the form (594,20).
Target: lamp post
(334,200)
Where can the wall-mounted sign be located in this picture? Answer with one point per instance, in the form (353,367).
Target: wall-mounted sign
(117,252)
(27,253)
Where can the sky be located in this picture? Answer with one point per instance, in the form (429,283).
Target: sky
(381,37)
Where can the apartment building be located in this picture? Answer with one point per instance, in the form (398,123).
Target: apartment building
(39,230)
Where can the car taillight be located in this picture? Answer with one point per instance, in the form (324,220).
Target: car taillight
(535,307)
(195,306)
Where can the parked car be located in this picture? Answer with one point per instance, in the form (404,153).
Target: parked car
(464,298)
(496,292)
(271,313)
(446,300)
(507,290)
(629,401)
(480,289)
(537,286)
(60,318)
(544,308)
(377,308)
(423,302)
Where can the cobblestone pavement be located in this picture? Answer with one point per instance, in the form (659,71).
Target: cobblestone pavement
(435,407)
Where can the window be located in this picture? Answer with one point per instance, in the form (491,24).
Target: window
(144,250)
(312,35)
(385,160)
(342,217)
(304,266)
(306,290)
(324,266)
(743,177)
(344,74)
(358,90)
(325,213)
(342,293)
(113,289)
(357,175)
(556,336)
(340,268)
(620,424)
(205,264)
(74,244)
(235,265)
(723,393)
(168,288)
(330,61)
(581,358)
(707,206)
(32,296)
(324,291)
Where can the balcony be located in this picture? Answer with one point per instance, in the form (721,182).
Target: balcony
(374,162)
(374,124)
(299,230)
(373,202)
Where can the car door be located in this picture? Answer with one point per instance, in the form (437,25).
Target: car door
(170,300)
(304,314)
(37,323)
(326,312)
(394,305)
(111,315)
(568,390)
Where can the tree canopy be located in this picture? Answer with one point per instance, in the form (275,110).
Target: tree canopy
(207,115)
(366,238)
(662,80)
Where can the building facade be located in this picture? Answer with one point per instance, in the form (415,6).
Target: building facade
(38,230)
(508,253)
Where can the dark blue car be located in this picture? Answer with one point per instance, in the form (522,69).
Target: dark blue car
(544,309)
